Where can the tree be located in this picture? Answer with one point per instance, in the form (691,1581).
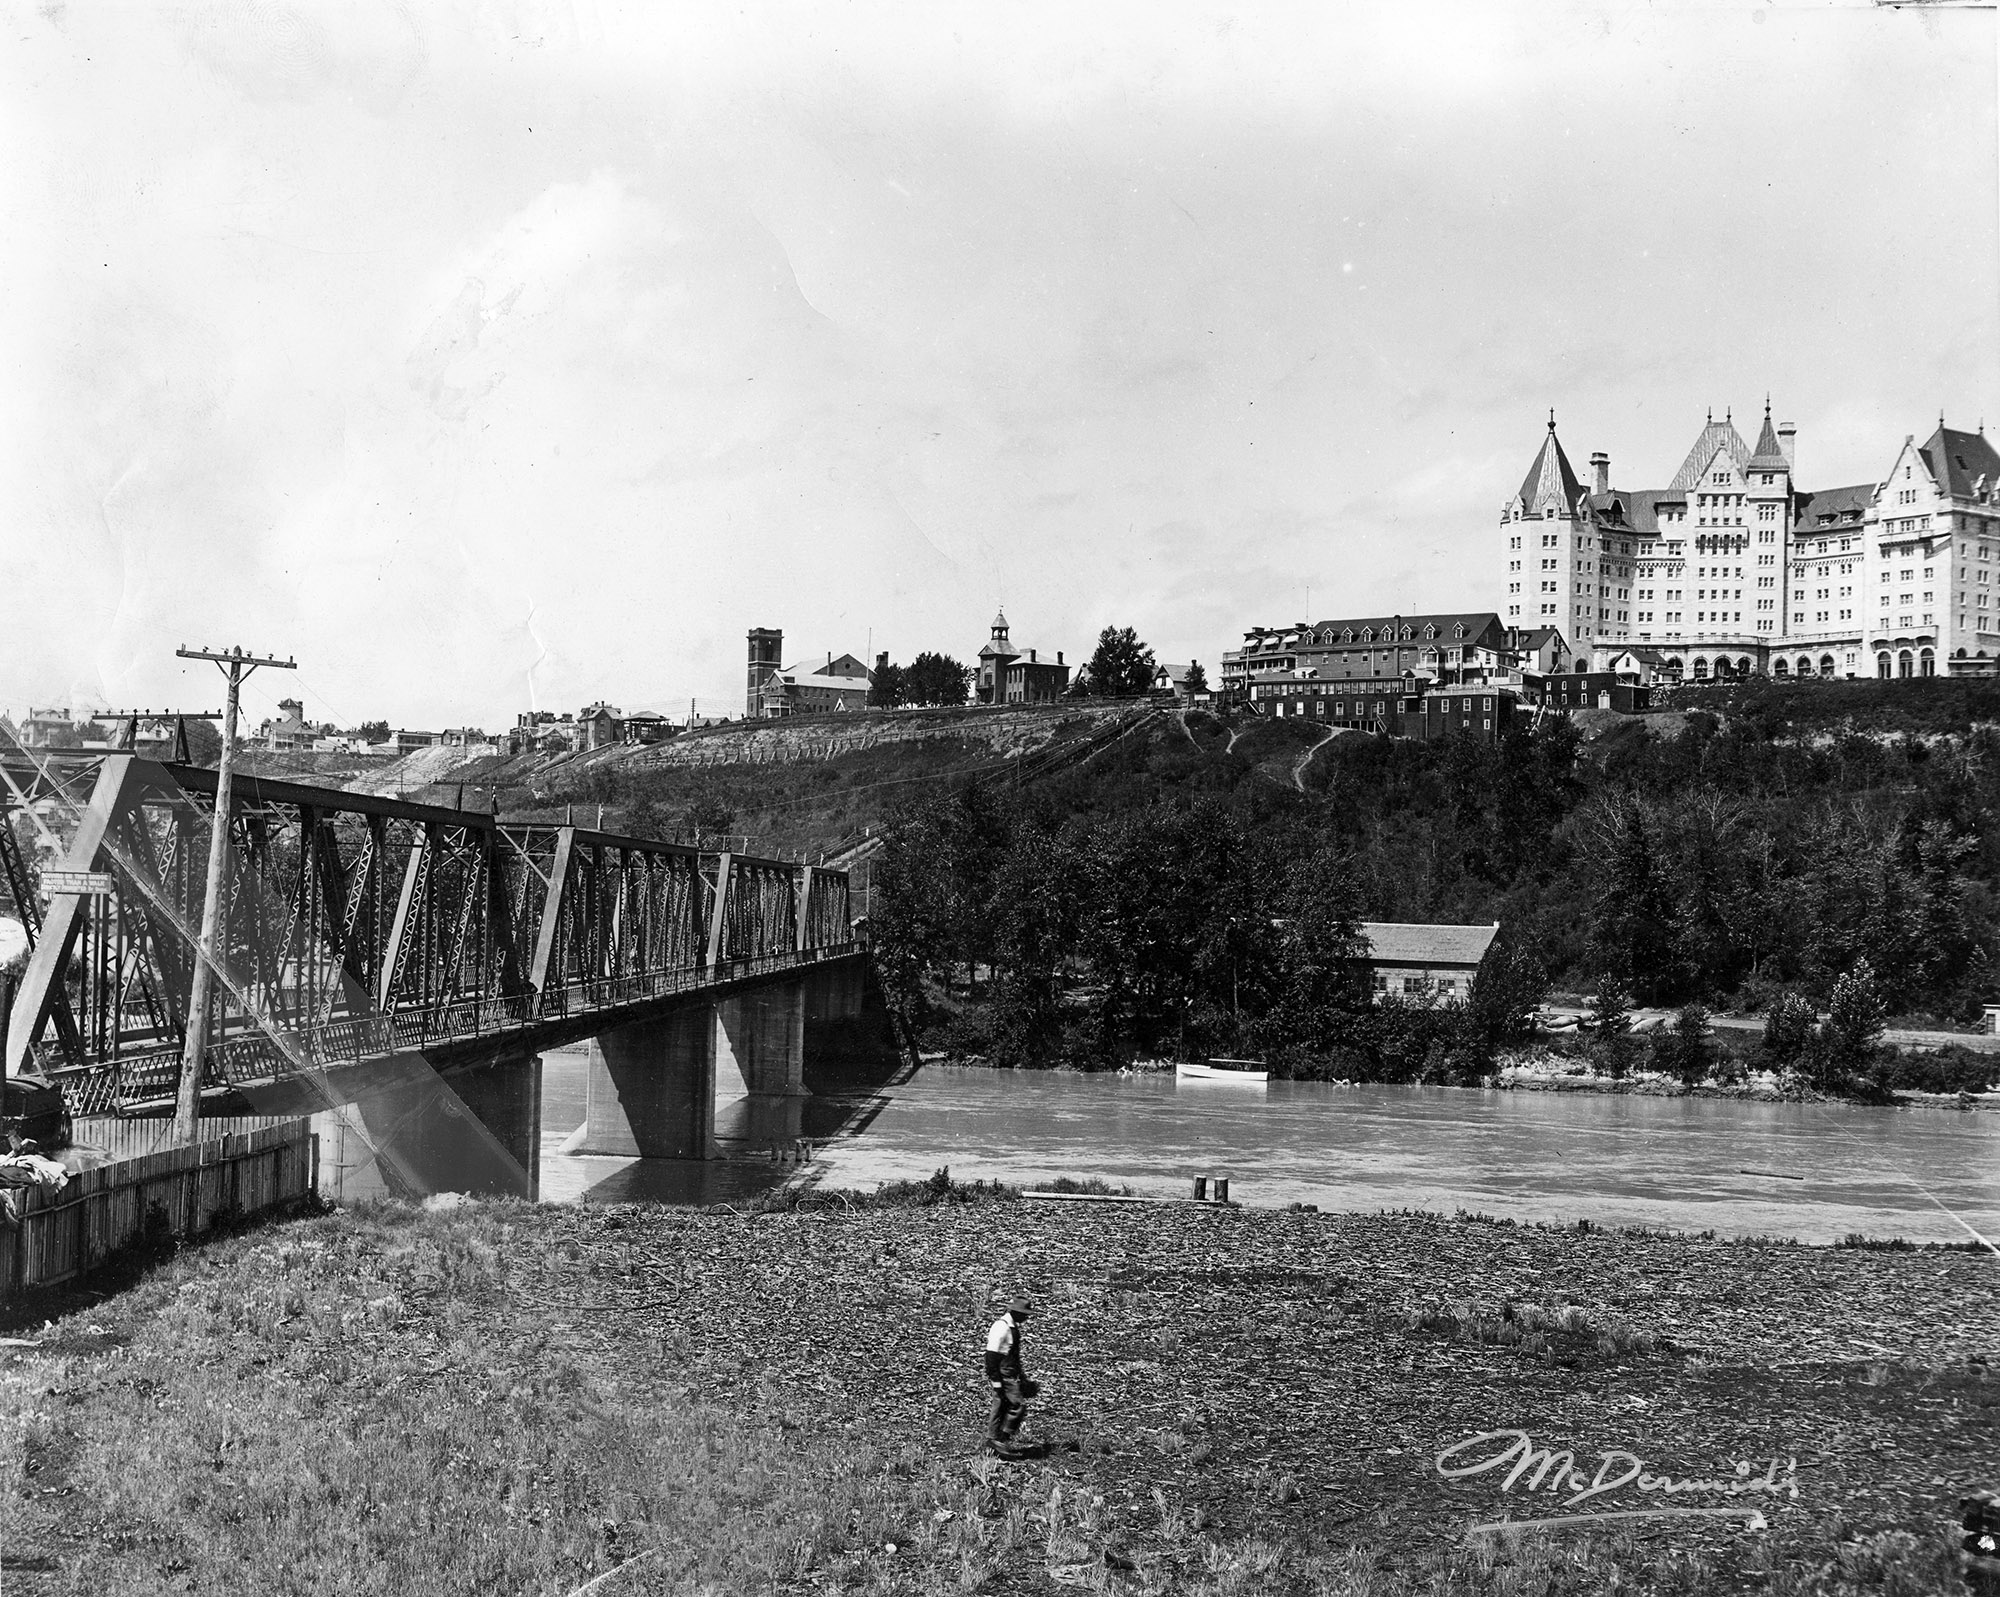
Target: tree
(1632,925)
(1683,1050)
(1507,990)
(374,731)
(204,742)
(1852,1028)
(935,679)
(885,686)
(1611,1042)
(1035,909)
(706,820)
(1122,666)
(1788,1031)
(646,816)
(1197,679)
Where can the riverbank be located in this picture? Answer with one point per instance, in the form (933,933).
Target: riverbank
(1562,1073)
(1557,1073)
(500,1397)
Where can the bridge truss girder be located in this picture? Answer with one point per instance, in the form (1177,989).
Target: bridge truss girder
(353,921)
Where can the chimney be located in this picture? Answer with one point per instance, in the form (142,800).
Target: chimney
(1787,431)
(1601,464)
(1031,657)
(1059,658)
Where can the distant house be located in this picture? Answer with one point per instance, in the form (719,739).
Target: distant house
(1172,680)
(1639,663)
(48,729)
(1413,959)
(410,742)
(601,725)
(288,729)
(1542,650)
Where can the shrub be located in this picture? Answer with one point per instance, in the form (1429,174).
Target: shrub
(1612,1045)
(1683,1050)
(1846,1039)
(1788,1031)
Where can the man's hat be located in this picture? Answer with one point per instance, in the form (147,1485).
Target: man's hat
(1018,1308)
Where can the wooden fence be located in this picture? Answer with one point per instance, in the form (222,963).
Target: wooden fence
(62,1233)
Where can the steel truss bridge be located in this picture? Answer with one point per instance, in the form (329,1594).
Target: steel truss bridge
(356,929)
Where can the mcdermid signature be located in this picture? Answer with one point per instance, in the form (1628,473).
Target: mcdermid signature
(1543,1468)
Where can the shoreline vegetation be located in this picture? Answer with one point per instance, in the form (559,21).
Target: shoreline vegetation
(474,1397)
(1536,1072)
(1202,892)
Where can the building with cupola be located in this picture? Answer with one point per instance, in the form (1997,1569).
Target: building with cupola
(1017,674)
(1733,567)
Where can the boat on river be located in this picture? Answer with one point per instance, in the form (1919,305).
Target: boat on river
(1223,1070)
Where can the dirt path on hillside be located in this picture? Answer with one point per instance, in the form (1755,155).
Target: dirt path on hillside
(1305,759)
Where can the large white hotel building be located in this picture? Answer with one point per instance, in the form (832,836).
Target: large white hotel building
(1733,568)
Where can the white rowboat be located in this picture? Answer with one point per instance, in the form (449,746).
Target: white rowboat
(1223,1070)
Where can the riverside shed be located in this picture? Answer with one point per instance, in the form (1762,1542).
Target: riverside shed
(1412,958)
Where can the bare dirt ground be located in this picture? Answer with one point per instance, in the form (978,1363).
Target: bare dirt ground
(1235,1401)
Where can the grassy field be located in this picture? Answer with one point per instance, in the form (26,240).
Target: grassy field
(501,1398)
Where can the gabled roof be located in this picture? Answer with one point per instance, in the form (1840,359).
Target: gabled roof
(841,665)
(1402,943)
(1831,509)
(1475,623)
(1637,509)
(1768,456)
(1716,436)
(1549,480)
(1957,459)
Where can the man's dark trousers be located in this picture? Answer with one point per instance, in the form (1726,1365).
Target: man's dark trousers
(1009,1409)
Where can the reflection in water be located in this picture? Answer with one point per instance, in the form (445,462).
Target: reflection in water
(759,1137)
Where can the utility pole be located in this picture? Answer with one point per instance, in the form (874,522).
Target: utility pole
(235,665)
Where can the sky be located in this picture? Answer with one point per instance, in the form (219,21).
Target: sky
(496,357)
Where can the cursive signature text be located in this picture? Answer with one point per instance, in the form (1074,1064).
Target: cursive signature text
(1539,1468)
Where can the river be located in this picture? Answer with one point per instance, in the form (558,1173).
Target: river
(1814,1172)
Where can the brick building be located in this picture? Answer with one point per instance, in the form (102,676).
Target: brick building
(1010,674)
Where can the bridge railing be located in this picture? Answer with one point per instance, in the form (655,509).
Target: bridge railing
(275,1054)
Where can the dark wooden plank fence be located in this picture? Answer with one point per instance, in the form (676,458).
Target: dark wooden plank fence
(63,1234)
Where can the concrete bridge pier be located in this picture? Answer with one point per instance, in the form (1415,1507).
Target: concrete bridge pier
(700,1081)
(410,1131)
(650,1090)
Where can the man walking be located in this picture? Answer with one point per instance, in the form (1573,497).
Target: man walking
(1010,1383)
